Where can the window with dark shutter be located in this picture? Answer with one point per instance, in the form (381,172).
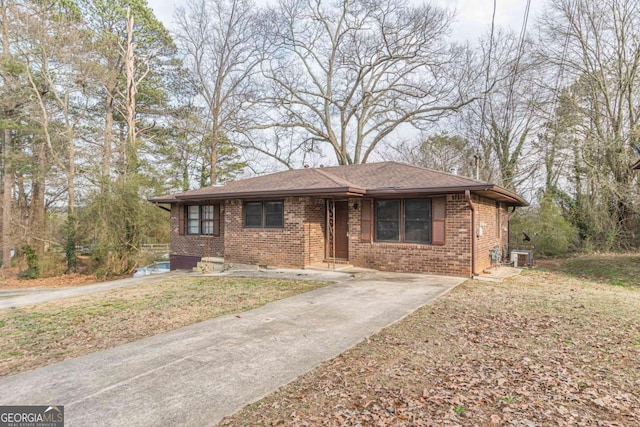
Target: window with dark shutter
(201,220)
(193,219)
(206,220)
(274,214)
(388,220)
(409,220)
(417,220)
(253,214)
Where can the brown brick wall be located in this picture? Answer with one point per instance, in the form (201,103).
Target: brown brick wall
(504,225)
(315,230)
(491,235)
(191,245)
(299,243)
(452,258)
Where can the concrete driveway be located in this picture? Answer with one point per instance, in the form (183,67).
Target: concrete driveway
(198,374)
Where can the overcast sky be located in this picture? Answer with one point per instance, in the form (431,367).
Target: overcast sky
(473,16)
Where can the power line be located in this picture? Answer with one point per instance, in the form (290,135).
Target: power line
(486,85)
(556,90)
(514,73)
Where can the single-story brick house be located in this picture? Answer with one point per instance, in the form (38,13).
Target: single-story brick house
(386,216)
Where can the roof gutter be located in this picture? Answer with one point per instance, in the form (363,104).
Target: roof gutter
(472,207)
(514,198)
(345,191)
(520,201)
(164,208)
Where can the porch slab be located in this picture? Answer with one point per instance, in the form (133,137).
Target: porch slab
(498,274)
(328,266)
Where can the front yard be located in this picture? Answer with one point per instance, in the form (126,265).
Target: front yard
(556,346)
(42,334)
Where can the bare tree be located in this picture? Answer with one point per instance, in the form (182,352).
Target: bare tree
(218,40)
(597,44)
(504,124)
(441,151)
(349,74)
(183,145)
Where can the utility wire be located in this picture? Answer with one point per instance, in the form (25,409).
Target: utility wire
(508,113)
(486,84)
(556,89)
(552,117)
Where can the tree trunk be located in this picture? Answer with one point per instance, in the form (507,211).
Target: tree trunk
(214,157)
(108,137)
(37,223)
(7,150)
(131,157)
(72,223)
(7,185)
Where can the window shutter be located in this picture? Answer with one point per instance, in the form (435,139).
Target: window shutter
(438,213)
(216,220)
(366,220)
(181,219)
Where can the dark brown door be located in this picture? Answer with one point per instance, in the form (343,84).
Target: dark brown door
(342,230)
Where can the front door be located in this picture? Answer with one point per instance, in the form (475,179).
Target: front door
(342,230)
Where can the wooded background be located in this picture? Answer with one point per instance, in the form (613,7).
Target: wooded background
(102,107)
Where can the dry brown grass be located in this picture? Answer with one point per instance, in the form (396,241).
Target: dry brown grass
(39,335)
(543,349)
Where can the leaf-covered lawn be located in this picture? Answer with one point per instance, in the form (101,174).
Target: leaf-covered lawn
(42,334)
(9,281)
(542,349)
(616,270)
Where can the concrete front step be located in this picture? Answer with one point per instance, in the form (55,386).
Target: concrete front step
(214,259)
(209,265)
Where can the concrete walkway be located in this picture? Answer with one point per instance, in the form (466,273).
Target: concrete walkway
(198,374)
(37,296)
